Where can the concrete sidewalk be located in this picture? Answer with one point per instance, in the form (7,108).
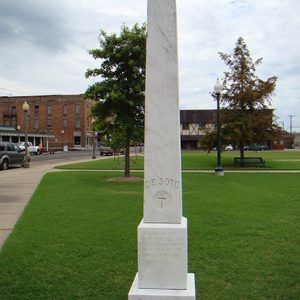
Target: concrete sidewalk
(16,188)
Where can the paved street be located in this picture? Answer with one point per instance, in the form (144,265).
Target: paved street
(70,155)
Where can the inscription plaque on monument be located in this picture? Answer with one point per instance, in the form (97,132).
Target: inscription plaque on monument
(162,256)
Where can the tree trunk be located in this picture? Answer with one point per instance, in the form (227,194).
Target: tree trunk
(242,145)
(127,155)
(242,152)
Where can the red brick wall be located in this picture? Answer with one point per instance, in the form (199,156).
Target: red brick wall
(57,116)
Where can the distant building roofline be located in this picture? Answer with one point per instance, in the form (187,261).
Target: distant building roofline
(50,95)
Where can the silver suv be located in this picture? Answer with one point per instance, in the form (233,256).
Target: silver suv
(105,150)
(10,154)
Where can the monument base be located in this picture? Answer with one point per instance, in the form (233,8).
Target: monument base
(219,171)
(162,255)
(161,294)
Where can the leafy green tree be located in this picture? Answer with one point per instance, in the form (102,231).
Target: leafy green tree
(121,89)
(246,118)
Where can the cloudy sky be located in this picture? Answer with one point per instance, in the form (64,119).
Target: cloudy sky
(43,45)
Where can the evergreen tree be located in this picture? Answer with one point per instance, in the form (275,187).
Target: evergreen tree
(246,118)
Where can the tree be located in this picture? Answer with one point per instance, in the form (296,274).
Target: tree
(120,93)
(246,118)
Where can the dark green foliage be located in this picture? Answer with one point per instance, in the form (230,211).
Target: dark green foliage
(120,93)
(246,118)
(246,97)
(200,160)
(243,89)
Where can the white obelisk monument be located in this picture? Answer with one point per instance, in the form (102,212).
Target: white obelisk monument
(162,234)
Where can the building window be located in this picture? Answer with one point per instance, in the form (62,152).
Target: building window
(36,123)
(65,108)
(6,110)
(14,122)
(36,109)
(49,109)
(77,140)
(77,108)
(65,123)
(77,123)
(49,122)
(185,126)
(14,110)
(6,121)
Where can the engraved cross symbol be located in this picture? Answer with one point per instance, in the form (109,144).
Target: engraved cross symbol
(161,198)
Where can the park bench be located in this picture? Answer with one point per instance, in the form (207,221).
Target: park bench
(249,161)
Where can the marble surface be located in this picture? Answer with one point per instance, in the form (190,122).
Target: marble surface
(162,187)
(136,293)
(162,234)
(162,256)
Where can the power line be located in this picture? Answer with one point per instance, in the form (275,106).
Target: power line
(10,90)
(291,122)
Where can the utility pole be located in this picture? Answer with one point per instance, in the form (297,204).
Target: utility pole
(291,123)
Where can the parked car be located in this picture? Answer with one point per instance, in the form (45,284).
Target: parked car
(10,154)
(31,148)
(105,150)
(256,148)
(229,148)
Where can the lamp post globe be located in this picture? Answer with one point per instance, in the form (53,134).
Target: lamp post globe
(62,139)
(25,108)
(218,88)
(18,129)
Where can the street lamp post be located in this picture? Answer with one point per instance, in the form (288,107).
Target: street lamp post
(219,171)
(94,139)
(62,139)
(18,129)
(25,108)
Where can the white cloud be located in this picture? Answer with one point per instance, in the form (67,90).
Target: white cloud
(44,44)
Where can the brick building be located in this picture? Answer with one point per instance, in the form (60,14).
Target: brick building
(54,120)
(57,120)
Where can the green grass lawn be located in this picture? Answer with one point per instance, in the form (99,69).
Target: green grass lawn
(77,237)
(199,160)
